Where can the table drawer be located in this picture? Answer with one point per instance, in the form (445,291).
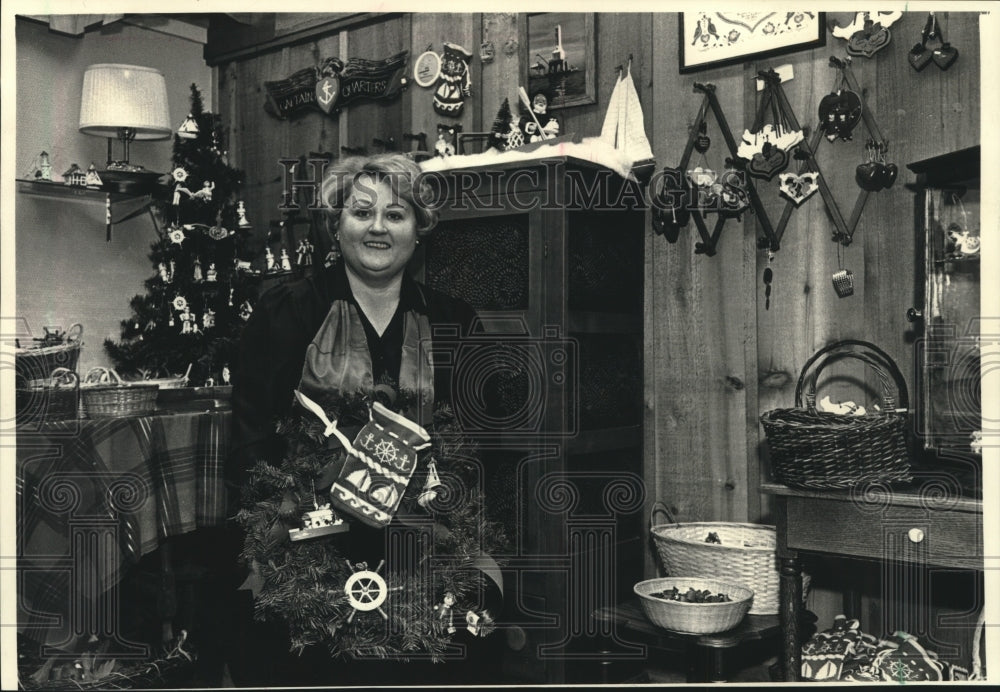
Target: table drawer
(942,537)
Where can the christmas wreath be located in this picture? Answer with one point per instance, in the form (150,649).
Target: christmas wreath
(302,572)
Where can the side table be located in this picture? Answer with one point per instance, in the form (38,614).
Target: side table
(711,653)
(917,526)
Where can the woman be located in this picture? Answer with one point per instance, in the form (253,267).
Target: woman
(376,218)
(345,329)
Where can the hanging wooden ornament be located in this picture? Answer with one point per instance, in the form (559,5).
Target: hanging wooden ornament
(766,145)
(798,187)
(844,230)
(669,215)
(427,68)
(868,33)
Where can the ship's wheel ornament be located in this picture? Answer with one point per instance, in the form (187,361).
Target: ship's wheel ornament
(366,589)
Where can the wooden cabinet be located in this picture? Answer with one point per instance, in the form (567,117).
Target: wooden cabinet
(550,254)
(948,356)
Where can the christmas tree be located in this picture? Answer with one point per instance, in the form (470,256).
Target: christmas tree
(196,303)
(500,133)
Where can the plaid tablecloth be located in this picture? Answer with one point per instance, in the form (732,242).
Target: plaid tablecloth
(93,496)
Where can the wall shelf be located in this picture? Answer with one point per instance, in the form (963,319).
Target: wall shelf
(131,204)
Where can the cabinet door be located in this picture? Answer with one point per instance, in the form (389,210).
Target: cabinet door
(950,392)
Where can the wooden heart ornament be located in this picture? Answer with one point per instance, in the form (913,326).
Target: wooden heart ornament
(945,56)
(768,162)
(869,41)
(919,57)
(839,114)
(798,187)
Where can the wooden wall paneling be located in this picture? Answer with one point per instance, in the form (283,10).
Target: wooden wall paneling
(367,120)
(313,131)
(262,140)
(499,79)
(433,29)
(695,351)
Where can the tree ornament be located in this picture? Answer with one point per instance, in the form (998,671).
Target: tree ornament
(173,269)
(269,260)
(331,257)
(205,193)
(212,274)
(196,274)
(179,174)
(454,84)
(303,254)
(246,309)
(445,616)
(379,465)
(320,521)
(164,276)
(431,484)
(208,319)
(241,213)
(447,141)
(176,235)
(188,128)
(366,590)
(286,262)
(180,303)
(226,375)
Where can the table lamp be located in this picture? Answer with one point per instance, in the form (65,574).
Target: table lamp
(124,102)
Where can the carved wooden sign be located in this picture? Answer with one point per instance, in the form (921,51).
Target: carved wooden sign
(334,85)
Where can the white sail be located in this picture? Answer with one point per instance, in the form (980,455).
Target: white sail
(624,125)
(633,137)
(609,131)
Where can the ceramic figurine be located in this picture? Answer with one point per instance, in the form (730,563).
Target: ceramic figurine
(241,213)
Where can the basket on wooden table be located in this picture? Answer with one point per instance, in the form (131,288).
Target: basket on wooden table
(106,395)
(56,398)
(742,554)
(56,350)
(694,618)
(823,450)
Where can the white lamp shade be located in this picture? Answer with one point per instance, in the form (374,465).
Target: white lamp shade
(117,96)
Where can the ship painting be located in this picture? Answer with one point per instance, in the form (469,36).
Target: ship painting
(559,75)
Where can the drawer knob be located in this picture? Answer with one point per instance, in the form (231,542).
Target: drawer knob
(916,535)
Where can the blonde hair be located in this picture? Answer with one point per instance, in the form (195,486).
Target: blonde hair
(402,174)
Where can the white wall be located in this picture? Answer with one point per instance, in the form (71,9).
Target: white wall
(65,271)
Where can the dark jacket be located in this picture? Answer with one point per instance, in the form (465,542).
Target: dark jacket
(273,346)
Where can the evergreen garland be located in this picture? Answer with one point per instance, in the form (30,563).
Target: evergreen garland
(150,345)
(302,583)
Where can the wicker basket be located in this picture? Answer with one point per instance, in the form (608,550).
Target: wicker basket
(57,398)
(104,398)
(814,449)
(694,618)
(35,365)
(745,555)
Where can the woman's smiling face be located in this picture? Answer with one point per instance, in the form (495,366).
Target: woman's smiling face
(377,229)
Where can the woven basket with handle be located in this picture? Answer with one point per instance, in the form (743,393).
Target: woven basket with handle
(822,450)
(744,555)
(36,364)
(56,398)
(106,395)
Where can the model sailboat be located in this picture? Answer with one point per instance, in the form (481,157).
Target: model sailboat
(624,127)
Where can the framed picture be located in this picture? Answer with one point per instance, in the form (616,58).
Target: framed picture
(713,39)
(559,57)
